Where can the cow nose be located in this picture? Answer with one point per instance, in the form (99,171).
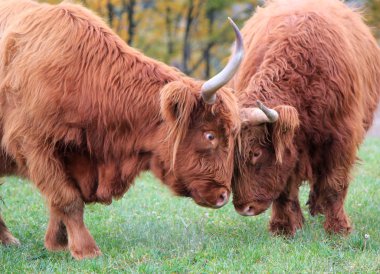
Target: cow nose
(222,200)
(247,211)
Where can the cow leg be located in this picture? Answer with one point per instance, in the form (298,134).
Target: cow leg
(332,206)
(336,220)
(328,196)
(56,234)
(332,181)
(65,201)
(314,202)
(6,238)
(80,242)
(286,212)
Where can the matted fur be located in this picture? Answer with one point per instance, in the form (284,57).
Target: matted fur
(284,130)
(320,60)
(82,114)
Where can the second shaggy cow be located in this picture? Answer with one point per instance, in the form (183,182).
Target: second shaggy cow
(318,66)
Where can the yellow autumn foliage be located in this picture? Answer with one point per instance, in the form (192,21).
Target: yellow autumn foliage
(192,35)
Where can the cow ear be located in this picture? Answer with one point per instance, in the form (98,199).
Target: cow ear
(177,102)
(284,130)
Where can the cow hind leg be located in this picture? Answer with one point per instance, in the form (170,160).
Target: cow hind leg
(336,220)
(332,178)
(6,237)
(314,202)
(286,213)
(329,200)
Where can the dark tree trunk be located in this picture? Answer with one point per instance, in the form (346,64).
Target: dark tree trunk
(129,8)
(210,44)
(131,21)
(186,43)
(168,24)
(110,11)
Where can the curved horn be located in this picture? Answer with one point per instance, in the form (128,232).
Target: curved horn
(258,115)
(270,113)
(253,116)
(210,87)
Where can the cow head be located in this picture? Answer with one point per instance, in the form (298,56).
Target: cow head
(265,157)
(201,122)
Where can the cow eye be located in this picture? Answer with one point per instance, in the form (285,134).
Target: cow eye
(209,136)
(256,155)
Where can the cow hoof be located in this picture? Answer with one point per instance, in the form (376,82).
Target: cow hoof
(8,240)
(284,228)
(315,209)
(55,246)
(86,253)
(337,228)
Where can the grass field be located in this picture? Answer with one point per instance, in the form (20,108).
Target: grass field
(151,231)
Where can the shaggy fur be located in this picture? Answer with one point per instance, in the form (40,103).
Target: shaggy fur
(318,65)
(82,114)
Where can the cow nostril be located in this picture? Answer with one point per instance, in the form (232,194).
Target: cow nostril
(222,200)
(223,196)
(247,211)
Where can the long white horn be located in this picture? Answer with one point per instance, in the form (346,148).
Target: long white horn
(210,87)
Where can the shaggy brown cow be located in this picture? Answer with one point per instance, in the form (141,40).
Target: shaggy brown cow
(318,66)
(82,114)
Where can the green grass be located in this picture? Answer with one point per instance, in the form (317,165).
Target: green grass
(151,231)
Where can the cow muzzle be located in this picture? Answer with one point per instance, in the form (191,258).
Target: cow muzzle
(253,208)
(215,198)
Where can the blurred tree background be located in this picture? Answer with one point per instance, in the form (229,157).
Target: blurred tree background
(373,15)
(193,35)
